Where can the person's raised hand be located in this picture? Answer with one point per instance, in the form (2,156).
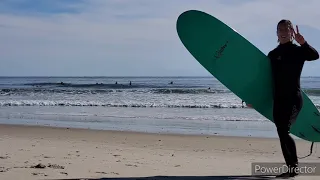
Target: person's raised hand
(297,36)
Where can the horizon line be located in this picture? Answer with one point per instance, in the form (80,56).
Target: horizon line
(38,76)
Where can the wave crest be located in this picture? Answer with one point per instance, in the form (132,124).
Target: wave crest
(102,104)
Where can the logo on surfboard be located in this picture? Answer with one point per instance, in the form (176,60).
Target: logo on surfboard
(219,52)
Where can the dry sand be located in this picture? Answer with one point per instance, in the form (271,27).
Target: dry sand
(29,152)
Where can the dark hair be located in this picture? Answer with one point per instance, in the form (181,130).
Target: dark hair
(285,21)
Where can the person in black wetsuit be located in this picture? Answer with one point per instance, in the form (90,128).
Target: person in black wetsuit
(287,61)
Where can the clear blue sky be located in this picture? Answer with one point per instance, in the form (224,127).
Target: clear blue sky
(132,37)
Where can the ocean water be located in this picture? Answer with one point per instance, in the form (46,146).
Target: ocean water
(192,105)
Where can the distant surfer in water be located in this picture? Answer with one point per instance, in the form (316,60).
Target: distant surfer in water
(248,105)
(287,61)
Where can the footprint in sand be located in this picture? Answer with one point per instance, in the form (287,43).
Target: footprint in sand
(38,174)
(39,166)
(56,166)
(64,173)
(42,166)
(107,173)
(3,169)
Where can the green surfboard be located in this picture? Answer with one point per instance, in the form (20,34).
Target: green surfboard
(241,67)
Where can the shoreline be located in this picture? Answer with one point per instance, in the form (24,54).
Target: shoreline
(89,130)
(149,125)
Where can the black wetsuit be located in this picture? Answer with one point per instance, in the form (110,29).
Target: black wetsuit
(287,61)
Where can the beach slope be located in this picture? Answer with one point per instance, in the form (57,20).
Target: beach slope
(34,152)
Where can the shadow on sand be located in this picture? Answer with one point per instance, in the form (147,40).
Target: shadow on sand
(242,177)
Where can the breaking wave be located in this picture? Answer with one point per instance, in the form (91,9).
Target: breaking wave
(26,91)
(102,104)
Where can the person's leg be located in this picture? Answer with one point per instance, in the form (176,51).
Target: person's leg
(295,110)
(284,116)
(288,146)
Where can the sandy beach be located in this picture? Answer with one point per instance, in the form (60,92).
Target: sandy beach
(34,152)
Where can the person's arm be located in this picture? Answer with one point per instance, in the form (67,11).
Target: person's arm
(309,53)
(272,76)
